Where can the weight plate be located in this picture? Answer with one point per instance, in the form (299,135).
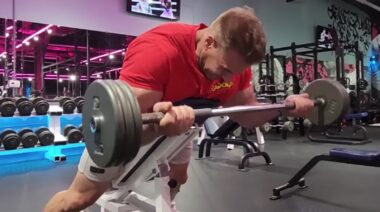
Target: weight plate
(102,122)
(8,108)
(10,139)
(289,125)
(68,107)
(29,139)
(67,129)
(41,107)
(335,97)
(79,98)
(74,136)
(63,99)
(36,100)
(266,127)
(21,99)
(133,122)
(23,131)
(45,137)
(306,123)
(80,106)
(25,108)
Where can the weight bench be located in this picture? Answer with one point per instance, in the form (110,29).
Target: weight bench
(219,135)
(340,155)
(150,162)
(360,135)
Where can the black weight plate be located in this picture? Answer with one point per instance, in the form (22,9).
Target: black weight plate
(10,139)
(68,107)
(5,99)
(29,139)
(77,99)
(46,138)
(6,132)
(336,100)
(23,131)
(133,122)
(63,99)
(67,129)
(101,101)
(21,99)
(74,136)
(41,129)
(25,108)
(36,100)
(8,108)
(80,106)
(41,107)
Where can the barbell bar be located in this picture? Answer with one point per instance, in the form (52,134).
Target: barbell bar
(112,121)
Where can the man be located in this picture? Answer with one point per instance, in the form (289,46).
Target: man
(174,62)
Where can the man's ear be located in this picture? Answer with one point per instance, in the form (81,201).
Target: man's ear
(210,41)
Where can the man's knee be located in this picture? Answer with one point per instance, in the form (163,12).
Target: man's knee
(178,172)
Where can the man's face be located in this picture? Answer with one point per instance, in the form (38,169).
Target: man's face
(217,63)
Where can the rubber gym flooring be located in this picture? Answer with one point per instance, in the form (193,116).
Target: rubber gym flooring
(216,184)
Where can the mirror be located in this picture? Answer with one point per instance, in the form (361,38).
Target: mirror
(54,61)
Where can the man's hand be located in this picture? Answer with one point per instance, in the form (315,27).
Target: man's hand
(303,104)
(177,120)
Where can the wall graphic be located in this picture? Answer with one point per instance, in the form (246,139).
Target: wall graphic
(350,26)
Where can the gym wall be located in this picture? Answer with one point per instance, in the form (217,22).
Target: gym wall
(284,22)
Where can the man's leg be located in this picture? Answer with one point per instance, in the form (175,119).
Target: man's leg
(178,168)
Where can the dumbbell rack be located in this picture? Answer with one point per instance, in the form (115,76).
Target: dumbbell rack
(56,152)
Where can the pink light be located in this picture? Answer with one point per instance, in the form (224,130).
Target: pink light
(35,34)
(9,28)
(103,55)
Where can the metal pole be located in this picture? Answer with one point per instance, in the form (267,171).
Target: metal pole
(88,58)
(14,58)
(56,68)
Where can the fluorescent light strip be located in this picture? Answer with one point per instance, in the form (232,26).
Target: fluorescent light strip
(33,35)
(9,28)
(103,55)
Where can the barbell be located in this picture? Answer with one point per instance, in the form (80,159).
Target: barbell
(112,121)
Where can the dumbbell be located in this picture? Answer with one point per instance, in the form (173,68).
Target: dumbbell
(24,106)
(288,126)
(73,134)
(7,107)
(45,136)
(10,139)
(40,105)
(67,105)
(79,102)
(28,138)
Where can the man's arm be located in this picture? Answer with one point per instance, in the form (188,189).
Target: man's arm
(81,194)
(249,120)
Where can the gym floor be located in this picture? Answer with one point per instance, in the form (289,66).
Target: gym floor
(216,184)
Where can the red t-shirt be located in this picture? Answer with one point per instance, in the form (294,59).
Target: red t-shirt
(163,59)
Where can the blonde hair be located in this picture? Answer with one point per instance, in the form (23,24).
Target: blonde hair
(239,29)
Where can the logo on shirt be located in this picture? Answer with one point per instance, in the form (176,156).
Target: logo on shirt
(220,85)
